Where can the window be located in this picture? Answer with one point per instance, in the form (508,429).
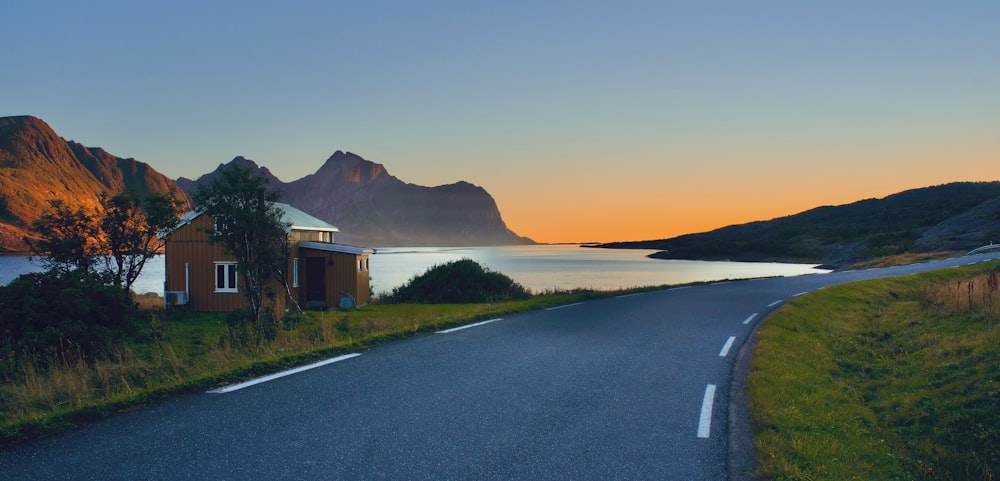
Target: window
(218,226)
(295,272)
(225,277)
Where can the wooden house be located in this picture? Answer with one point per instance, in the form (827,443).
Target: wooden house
(201,276)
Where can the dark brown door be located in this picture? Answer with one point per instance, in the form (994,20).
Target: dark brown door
(315,279)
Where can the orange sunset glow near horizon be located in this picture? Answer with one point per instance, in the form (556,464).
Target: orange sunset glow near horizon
(587,122)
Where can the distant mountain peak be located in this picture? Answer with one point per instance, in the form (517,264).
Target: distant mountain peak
(248,164)
(24,123)
(190,186)
(351,168)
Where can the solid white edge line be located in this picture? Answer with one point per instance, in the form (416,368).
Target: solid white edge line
(727,346)
(629,295)
(565,305)
(678,288)
(705,421)
(459,328)
(271,377)
(750,318)
(775,303)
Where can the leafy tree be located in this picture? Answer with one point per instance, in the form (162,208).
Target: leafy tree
(122,238)
(249,227)
(75,309)
(68,237)
(131,228)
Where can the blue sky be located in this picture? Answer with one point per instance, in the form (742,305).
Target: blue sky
(586,120)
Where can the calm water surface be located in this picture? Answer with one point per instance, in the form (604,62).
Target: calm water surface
(544,267)
(151,280)
(538,267)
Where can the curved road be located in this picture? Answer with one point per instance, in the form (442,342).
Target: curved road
(634,387)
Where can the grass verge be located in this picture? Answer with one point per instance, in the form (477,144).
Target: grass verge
(894,378)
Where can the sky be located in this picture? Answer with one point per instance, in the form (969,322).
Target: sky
(586,121)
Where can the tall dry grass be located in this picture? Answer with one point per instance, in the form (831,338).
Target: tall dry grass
(979,295)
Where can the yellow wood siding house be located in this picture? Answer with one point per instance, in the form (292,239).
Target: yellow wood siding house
(201,276)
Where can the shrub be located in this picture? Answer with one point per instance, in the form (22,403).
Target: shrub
(457,282)
(64,315)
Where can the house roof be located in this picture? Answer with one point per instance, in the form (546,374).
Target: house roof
(297,220)
(301,221)
(326,246)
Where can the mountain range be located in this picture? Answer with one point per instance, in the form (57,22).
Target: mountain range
(372,207)
(958,216)
(368,205)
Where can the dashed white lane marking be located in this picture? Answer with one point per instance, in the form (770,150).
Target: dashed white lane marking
(725,348)
(775,303)
(750,318)
(721,283)
(801,294)
(678,288)
(459,328)
(564,306)
(705,421)
(271,377)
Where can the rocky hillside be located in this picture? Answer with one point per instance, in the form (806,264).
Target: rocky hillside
(36,166)
(373,208)
(958,216)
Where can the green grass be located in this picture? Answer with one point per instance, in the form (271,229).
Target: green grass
(179,352)
(888,379)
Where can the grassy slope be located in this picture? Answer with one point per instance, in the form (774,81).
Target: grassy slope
(887,379)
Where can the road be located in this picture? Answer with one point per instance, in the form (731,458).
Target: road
(633,387)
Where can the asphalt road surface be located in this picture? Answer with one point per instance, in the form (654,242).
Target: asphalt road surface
(633,387)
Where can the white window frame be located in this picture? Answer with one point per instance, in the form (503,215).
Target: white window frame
(295,272)
(229,277)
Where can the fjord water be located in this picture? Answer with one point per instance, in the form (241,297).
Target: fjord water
(537,267)
(151,280)
(545,267)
